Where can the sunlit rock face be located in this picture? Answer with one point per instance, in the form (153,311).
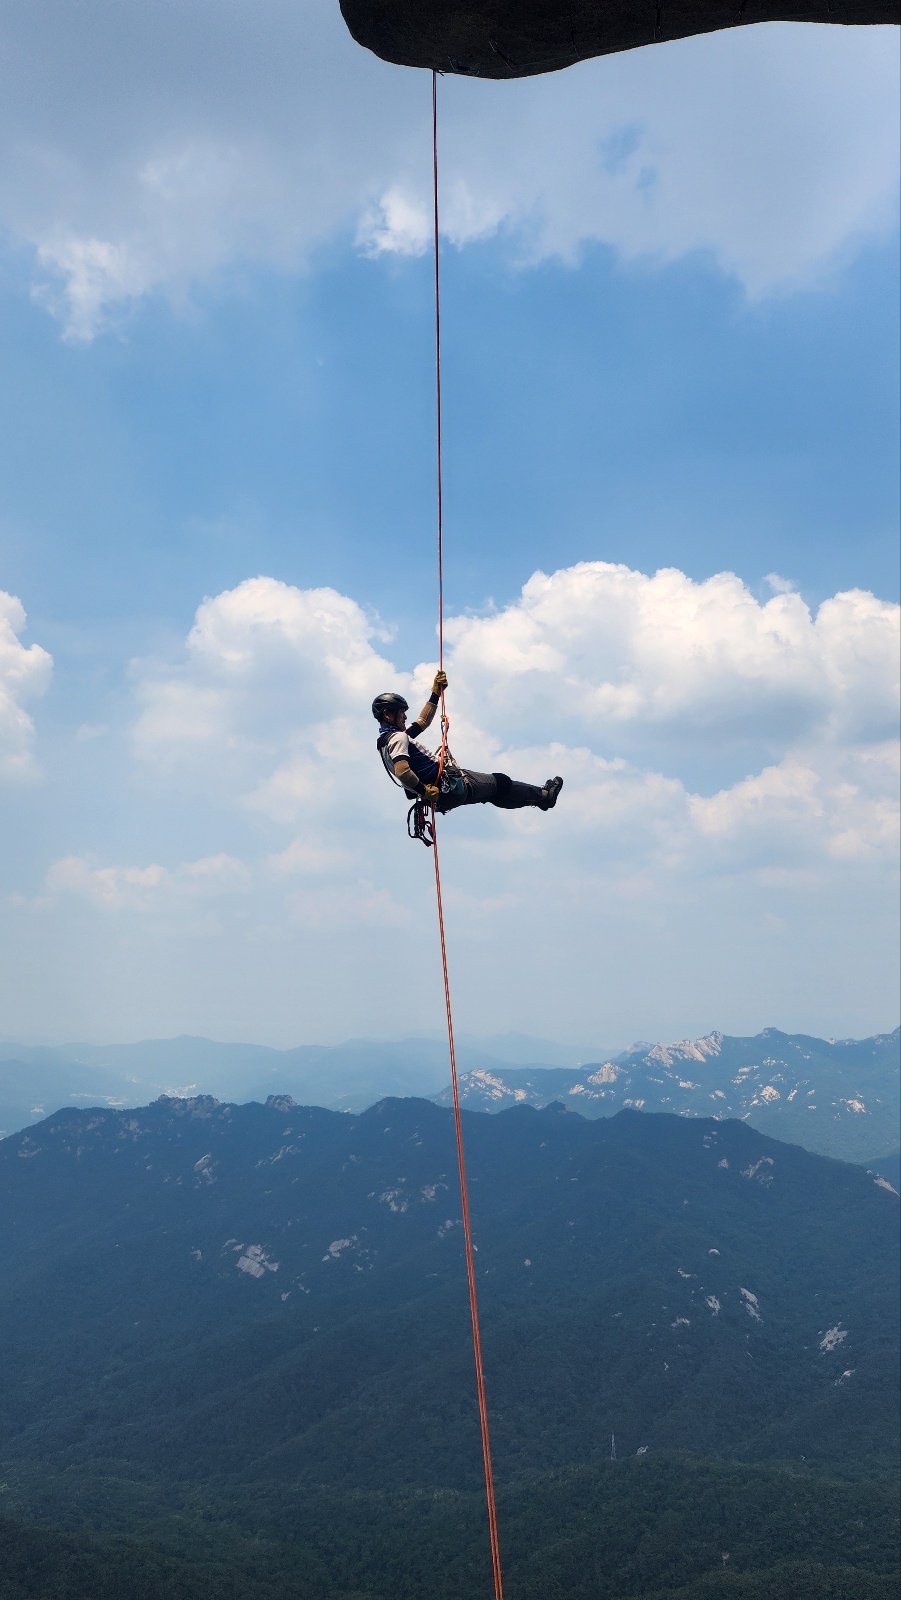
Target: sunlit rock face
(517,38)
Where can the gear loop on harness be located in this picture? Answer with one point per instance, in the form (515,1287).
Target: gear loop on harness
(421,823)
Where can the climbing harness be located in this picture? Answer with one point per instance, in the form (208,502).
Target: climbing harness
(452,785)
(422,824)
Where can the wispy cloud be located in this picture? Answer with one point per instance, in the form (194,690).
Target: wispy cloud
(148,888)
(161,161)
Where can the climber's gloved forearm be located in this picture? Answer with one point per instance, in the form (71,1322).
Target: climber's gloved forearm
(428,711)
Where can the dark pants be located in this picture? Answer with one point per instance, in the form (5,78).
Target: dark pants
(493,789)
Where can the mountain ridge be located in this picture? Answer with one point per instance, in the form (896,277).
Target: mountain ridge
(36,1080)
(42,1079)
(838,1097)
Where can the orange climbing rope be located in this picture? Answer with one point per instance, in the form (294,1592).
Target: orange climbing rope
(458,1123)
(470,1264)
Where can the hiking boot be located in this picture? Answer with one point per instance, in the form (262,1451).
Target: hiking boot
(549,793)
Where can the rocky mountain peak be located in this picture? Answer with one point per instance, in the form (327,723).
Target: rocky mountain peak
(197,1105)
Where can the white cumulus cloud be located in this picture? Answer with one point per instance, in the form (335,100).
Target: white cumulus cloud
(269,694)
(24,673)
(622,681)
(633,657)
(724,847)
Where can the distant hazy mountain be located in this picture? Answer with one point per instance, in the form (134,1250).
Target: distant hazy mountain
(37,1080)
(195,1284)
(838,1097)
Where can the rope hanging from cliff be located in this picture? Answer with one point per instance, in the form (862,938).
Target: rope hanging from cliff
(433,839)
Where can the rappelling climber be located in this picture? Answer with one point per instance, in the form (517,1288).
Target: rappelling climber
(419,772)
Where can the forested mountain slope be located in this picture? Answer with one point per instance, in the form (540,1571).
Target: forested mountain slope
(645,1529)
(242,1364)
(281,1287)
(839,1097)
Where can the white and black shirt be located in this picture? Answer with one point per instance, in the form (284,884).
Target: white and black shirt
(396,744)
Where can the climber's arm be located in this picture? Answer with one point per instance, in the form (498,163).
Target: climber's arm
(404,774)
(414,786)
(427,714)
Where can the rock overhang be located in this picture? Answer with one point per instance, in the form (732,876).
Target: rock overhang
(520,38)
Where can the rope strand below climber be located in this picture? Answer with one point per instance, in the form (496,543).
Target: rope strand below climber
(468,1246)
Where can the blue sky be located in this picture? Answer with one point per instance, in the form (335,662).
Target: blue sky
(671,335)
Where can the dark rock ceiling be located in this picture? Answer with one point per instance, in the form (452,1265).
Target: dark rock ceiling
(516,38)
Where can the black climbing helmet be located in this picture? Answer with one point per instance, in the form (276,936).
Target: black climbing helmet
(386,706)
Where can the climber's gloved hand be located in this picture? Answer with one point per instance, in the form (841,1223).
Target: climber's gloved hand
(429,793)
(440,684)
